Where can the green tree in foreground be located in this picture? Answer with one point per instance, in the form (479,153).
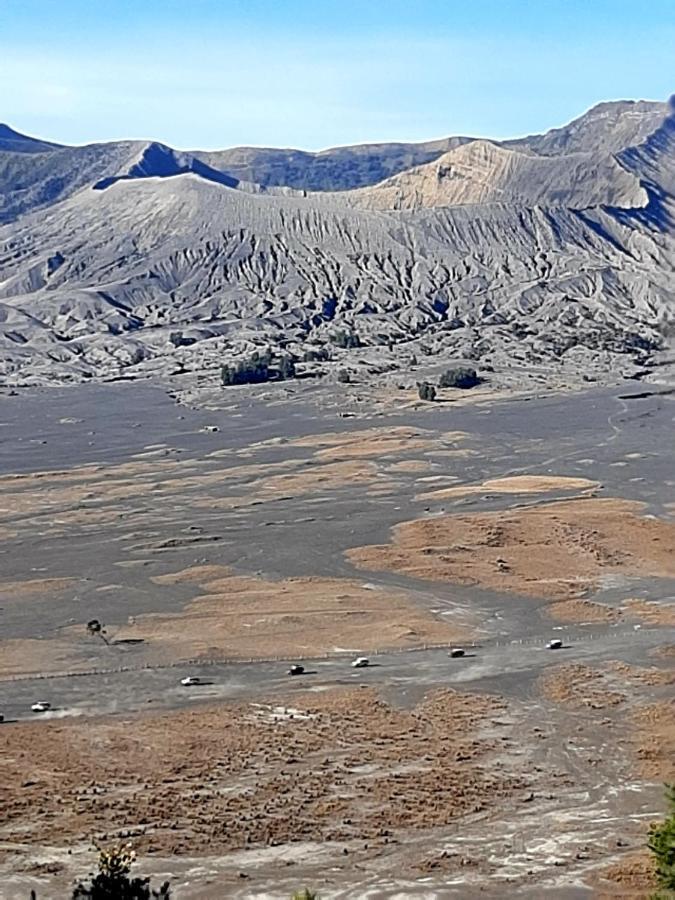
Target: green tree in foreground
(662,845)
(305,894)
(113,883)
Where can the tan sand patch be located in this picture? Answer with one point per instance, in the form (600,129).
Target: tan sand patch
(49,499)
(213,779)
(667,651)
(516,484)
(35,587)
(364,436)
(78,473)
(77,502)
(558,550)
(648,675)
(578,686)
(652,612)
(410,465)
(314,477)
(375,442)
(396,400)
(574,611)
(656,740)
(653,734)
(193,574)
(20,656)
(245,617)
(632,877)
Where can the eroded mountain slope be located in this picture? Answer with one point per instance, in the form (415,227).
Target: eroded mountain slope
(162,264)
(483,172)
(224,267)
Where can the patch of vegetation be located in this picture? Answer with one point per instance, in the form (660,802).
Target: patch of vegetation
(459,377)
(112,882)
(286,368)
(347,340)
(178,339)
(316,354)
(662,845)
(343,376)
(259,367)
(426,391)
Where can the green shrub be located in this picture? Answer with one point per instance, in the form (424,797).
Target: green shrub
(426,391)
(286,368)
(316,354)
(346,339)
(112,882)
(258,368)
(459,377)
(662,845)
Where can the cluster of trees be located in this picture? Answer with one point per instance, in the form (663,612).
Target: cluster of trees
(347,340)
(316,354)
(455,377)
(259,367)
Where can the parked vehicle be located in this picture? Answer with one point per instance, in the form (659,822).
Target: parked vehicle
(41,706)
(361,662)
(456,652)
(190,680)
(555,644)
(296,670)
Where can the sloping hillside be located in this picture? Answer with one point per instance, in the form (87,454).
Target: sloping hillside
(145,261)
(482,172)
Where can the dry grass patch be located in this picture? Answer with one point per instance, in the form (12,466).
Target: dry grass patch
(631,877)
(578,686)
(652,612)
(246,617)
(655,738)
(559,550)
(34,587)
(648,675)
(24,656)
(575,611)
(334,766)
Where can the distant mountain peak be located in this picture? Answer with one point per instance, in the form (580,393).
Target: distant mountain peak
(15,142)
(155,160)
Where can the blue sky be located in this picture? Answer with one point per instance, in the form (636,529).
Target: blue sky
(208,74)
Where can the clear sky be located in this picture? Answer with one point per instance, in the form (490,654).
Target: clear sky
(316,73)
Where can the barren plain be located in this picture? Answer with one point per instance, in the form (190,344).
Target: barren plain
(230,538)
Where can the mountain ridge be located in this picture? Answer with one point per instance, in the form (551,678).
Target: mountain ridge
(162,267)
